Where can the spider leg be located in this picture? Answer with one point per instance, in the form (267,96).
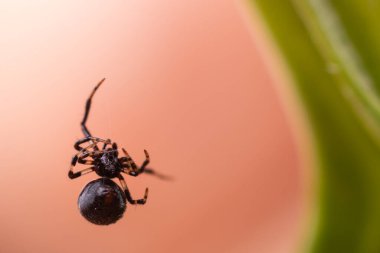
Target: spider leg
(105,146)
(91,154)
(85,131)
(114,147)
(128,170)
(86,161)
(73,175)
(146,161)
(79,156)
(131,166)
(86,153)
(128,194)
(132,163)
(89,139)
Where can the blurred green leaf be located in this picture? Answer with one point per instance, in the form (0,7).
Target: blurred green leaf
(332,49)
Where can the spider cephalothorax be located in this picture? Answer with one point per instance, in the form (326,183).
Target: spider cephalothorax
(102,201)
(107,164)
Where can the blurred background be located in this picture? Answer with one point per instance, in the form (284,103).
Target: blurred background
(186,80)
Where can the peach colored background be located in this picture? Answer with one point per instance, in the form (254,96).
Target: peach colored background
(185,81)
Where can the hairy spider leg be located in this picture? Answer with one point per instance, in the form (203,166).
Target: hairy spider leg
(114,148)
(132,163)
(91,140)
(85,130)
(131,166)
(132,169)
(128,194)
(75,159)
(81,172)
(86,153)
(105,146)
(82,159)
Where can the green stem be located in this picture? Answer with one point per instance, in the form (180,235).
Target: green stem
(338,86)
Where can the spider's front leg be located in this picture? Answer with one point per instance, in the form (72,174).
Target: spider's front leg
(87,110)
(93,140)
(79,157)
(128,194)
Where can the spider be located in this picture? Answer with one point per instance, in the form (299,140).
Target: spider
(102,201)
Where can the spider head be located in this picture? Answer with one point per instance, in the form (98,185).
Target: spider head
(107,164)
(109,156)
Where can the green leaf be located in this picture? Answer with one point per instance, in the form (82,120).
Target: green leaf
(332,50)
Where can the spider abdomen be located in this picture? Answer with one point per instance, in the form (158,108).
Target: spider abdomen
(102,202)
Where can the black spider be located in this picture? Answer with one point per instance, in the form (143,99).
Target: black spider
(102,201)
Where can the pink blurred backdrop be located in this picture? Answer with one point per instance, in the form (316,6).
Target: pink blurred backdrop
(186,81)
